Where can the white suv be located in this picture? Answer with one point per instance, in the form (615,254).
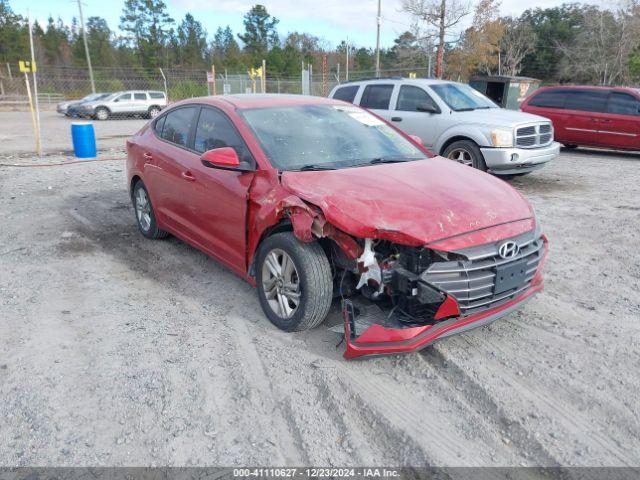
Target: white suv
(134,102)
(456,121)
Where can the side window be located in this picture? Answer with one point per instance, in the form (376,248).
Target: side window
(411,97)
(376,97)
(140,96)
(214,130)
(549,99)
(623,104)
(124,97)
(159,124)
(586,100)
(156,94)
(177,125)
(348,94)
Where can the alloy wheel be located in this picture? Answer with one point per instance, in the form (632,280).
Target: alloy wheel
(143,209)
(281,283)
(461,155)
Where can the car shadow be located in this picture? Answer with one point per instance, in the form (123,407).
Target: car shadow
(614,154)
(176,267)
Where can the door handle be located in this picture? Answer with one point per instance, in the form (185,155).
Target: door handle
(147,156)
(188,176)
(396,119)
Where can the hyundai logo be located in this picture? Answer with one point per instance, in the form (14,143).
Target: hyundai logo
(508,249)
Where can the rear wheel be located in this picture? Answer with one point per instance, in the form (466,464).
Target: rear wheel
(294,282)
(102,113)
(467,153)
(145,216)
(153,112)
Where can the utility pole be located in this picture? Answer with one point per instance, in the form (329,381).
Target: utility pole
(35,87)
(86,47)
(379,22)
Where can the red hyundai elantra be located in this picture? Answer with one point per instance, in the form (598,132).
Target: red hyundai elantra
(310,199)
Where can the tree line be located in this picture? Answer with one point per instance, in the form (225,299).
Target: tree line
(569,43)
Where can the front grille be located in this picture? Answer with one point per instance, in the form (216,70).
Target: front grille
(472,280)
(534,135)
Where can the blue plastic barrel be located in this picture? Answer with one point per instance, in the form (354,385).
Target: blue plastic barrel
(84,139)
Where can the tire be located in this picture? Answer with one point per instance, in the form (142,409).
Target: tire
(145,217)
(153,112)
(101,114)
(311,279)
(467,153)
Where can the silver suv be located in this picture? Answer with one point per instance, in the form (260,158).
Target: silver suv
(456,121)
(134,102)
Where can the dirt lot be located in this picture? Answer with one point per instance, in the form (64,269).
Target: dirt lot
(16,133)
(116,350)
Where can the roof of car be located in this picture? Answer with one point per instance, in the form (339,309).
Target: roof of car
(419,81)
(590,87)
(262,100)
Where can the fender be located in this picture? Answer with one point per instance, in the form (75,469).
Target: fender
(471,132)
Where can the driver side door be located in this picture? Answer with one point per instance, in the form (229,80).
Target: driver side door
(413,122)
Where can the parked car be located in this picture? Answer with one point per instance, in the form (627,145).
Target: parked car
(311,199)
(591,116)
(135,102)
(458,122)
(63,107)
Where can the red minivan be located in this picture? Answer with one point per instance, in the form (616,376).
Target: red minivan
(590,116)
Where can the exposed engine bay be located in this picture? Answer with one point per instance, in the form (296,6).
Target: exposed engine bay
(393,276)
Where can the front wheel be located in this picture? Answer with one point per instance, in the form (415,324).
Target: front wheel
(102,114)
(294,282)
(467,153)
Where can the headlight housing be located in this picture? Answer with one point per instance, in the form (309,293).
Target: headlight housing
(502,138)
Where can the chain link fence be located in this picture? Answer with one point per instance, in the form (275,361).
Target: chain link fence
(57,84)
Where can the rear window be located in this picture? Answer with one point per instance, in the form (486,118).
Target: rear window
(347,94)
(586,100)
(376,97)
(623,104)
(177,125)
(549,99)
(156,94)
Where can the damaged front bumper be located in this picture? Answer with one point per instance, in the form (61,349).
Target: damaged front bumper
(380,340)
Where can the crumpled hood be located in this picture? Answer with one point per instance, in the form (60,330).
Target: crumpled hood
(412,203)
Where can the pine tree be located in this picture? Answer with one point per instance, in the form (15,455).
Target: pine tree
(260,33)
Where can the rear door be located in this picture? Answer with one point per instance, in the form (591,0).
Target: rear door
(620,127)
(585,110)
(140,102)
(377,98)
(407,117)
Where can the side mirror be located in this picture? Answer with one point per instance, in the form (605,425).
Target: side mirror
(225,158)
(428,108)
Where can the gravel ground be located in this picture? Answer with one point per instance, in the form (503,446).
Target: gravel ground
(116,350)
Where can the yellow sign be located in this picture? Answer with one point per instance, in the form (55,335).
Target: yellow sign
(27,66)
(412,75)
(256,72)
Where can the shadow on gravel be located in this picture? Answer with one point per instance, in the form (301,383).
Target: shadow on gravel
(539,184)
(613,154)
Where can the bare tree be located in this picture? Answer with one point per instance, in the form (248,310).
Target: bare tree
(600,53)
(440,15)
(518,41)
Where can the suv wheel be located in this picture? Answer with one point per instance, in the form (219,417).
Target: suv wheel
(153,112)
(294,282)
(102,113)
(467,153)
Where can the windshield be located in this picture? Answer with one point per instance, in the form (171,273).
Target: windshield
(313,137)
(461,97)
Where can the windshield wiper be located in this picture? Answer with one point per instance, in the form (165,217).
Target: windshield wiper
(314,167)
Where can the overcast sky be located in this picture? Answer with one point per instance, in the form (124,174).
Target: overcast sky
(333,20)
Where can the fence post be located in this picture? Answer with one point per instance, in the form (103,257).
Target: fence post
(164,79)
